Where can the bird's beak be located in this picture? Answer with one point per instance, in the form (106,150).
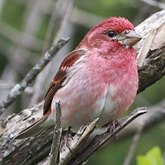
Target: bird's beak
(132,38)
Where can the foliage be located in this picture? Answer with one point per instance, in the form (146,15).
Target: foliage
(153,157)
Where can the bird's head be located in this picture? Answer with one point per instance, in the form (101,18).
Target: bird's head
(117,30)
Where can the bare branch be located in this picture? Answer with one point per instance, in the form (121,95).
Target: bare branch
(11,33)
(85,18)
(104,138)
(154,3)
(155,116)
(133,146)
(19,88)
(153,70)
(55,149)
(75,143)
(54,23)
(31,150)
(60,18)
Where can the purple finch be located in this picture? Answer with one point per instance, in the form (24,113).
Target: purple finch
(99,79)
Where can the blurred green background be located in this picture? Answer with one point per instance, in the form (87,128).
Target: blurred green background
(23,26)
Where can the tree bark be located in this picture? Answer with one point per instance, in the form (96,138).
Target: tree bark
(33,150)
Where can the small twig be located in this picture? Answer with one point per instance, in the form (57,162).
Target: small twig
(12,34)
(66,9)
(85,18)
(133,145)
(55,149)
(153,70)
(40,80)
(30,76)
(76,142)
(154,3)
(5,84)
(52,25)
(104,138)
(59,20)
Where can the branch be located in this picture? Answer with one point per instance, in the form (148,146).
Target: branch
(132,148)
(103,139)
(60,18)
(61,12)
(61,9)
(13,35)
(31,150)
(153,70)
(35,152)
(20,87)
(154,3)
(155,116)
(55,149)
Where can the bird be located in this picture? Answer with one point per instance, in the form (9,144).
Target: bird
(98,79)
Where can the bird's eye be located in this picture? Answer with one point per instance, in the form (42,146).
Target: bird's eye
(111,33)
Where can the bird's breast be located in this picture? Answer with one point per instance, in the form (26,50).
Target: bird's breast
(96,91)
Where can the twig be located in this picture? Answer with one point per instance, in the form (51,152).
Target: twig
(154,3)
(104,138)
(75,143)
(133,146)
(54,153)
(30,76)
(40,80)
(5,84)
(154,70)
(13,35)
(52,26)
(65,7)
(155,116)
(37,145)
(60,15)
(85,18)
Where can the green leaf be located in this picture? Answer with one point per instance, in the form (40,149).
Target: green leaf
(153,157)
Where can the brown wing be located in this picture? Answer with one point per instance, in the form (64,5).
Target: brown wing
(59,78)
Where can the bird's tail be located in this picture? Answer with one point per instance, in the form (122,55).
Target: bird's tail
(34,129)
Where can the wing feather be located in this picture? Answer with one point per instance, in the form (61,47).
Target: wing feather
(59,78)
